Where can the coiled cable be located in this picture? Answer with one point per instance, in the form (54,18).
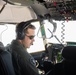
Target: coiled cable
(62,32)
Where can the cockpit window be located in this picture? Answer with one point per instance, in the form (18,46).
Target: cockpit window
(7,33)
(64,32)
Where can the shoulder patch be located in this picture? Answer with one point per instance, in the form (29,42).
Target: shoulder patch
(32,61)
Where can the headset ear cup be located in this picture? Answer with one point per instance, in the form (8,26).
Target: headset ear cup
(20,35)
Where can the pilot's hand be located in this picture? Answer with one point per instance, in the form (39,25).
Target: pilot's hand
(41,72)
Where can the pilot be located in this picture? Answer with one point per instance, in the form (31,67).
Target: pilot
(24,63)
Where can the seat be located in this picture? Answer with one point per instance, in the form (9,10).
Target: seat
(6,67)
(69,62)
(68,65)
(69,53)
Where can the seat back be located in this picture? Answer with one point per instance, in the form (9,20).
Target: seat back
(6,67)
(69,62)
(69,53)
(68,65)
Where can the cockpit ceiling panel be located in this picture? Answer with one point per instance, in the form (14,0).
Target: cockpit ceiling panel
(16,14)
(29,2)
(58,9)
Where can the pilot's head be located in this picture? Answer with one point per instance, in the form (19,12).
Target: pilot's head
(25,33)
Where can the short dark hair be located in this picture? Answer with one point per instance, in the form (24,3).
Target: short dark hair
(22,28)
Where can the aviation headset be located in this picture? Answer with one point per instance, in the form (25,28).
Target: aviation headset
(21,27)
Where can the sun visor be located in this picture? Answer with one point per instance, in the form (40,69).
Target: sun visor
(15,14)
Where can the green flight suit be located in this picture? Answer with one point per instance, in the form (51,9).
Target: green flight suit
(23,62)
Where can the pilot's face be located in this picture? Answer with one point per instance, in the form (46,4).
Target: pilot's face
(29,38)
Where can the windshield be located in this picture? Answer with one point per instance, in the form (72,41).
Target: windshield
(65,32)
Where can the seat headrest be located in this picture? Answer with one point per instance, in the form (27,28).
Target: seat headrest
(1,47)
(69,53)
